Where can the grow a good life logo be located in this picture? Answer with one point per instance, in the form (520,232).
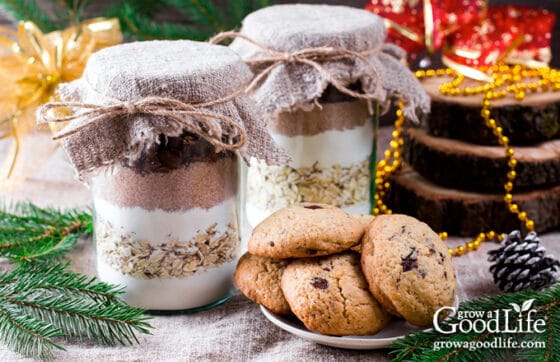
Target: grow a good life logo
(502,322)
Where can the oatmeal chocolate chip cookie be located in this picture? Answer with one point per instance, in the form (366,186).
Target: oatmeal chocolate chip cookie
(330,296)
(305,230)
(258,279)
(408,268)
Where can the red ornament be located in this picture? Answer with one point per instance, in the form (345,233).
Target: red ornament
(416,24)
(468,33)
(509,33)
(404,22)
(536,28)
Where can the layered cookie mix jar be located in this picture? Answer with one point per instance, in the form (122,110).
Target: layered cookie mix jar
(323,74)
(156,130)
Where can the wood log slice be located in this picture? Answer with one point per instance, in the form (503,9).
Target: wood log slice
(534,119)
(469,213)
(457,164)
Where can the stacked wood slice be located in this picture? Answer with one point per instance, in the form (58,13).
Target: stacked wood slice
(455,170)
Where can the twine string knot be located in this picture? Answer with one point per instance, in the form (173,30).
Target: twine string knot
(314,57)
(220,130)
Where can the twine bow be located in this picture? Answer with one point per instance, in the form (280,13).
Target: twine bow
(314,57)
(221,131)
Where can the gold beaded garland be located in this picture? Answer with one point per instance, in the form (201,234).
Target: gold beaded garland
(507,80)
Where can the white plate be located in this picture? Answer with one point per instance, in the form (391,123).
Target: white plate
(396,329)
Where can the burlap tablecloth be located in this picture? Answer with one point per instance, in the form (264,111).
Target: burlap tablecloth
(235,331)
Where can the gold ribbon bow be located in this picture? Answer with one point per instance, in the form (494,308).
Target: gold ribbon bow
(32,64)
(224,135)
(314,57)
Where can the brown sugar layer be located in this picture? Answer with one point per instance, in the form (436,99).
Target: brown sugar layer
(198,184)
(331,116)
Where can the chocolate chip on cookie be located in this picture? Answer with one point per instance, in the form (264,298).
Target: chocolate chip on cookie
(408,268)
(330,296)
(305,230)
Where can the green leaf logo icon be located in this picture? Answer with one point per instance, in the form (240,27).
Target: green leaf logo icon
(516,307)
(527,305)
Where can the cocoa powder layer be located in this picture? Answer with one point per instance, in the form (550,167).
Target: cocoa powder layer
(171,153)
(198,184)
(331,116)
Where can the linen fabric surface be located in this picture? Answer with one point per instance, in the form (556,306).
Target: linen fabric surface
(293,85)
(188,71)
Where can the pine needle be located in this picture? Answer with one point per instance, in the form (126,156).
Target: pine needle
(145,28)
(139,18)
(26,334)
(40,301)
(29,233)
(23,10)
(199,12)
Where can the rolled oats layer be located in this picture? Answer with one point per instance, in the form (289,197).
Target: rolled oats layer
(141,259)
(274,187)
(331,148)
(166,224)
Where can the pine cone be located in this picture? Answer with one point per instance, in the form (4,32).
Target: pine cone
(520,264)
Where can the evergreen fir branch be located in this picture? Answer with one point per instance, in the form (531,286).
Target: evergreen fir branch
(30,213)
(23,10)
(105,324)
(56,280)
(239,9)
(144,28)
(48,248)
(70,12)
(207,17)
(236,9)
(201,12)
(29,233)
(45,301)
(264,3)
(550,338)
(418,346)
(147,8)
(78,7)
(138,17)
(26,334)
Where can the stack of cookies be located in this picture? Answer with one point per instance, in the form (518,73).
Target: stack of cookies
(346,275)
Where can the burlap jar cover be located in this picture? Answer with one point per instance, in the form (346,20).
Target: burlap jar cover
(155,129)
(318,69)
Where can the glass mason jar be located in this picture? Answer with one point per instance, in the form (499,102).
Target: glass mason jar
(333,151)
(166,225)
